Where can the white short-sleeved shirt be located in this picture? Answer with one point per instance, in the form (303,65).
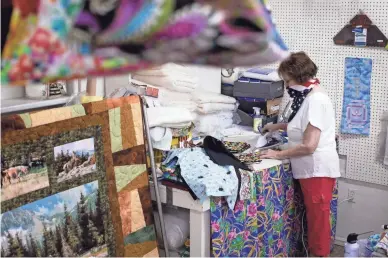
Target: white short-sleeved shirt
(317,109)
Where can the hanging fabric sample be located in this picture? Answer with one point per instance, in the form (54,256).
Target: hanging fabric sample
(356,100)
(72,39)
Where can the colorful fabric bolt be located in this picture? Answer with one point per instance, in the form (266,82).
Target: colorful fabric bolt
(75,38)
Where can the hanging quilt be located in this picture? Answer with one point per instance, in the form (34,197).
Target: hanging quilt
(356,101)
(54,40)
(129,197)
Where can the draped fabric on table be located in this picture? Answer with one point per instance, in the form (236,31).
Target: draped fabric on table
(269,224)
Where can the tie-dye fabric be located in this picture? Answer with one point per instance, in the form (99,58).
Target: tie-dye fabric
(267,225)
(73,38)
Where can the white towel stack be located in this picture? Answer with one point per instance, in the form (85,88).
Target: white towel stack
(173,107)
(214,112)
(169,76)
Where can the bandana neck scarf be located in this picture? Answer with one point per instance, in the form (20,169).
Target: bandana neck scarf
(298,93)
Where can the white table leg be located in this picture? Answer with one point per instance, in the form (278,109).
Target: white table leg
(199,233)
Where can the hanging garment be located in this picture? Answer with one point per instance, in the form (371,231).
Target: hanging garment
(204,177)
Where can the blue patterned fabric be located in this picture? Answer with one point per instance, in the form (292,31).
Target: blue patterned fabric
(356,101)
(203,176)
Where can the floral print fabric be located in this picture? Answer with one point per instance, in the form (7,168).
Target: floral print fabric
(236,147)
(65,39)
(268,225)
(245,188)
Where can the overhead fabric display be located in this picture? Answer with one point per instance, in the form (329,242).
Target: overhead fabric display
(51,40)
(90,165)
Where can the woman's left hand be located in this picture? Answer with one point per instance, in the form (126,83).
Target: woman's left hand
(270,154)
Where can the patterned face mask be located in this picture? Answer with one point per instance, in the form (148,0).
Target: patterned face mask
(298,94)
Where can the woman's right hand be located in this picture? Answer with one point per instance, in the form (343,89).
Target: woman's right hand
(270,128)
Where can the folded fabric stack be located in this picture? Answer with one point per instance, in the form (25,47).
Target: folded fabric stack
(173,107)
(173,117)
(213,123)
(214,112)
(169,76)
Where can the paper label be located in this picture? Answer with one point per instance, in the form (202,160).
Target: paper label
(360,38)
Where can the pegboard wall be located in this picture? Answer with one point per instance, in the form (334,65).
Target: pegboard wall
(310,25)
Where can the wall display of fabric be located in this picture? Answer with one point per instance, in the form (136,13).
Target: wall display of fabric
(361,32)
(71,39)
(267,225)
(128,194)
(356,101)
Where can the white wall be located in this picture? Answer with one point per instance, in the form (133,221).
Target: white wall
(368,212)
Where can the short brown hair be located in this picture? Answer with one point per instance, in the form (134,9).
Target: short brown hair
(298,67)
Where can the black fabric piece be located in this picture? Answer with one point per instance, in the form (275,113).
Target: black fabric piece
(6,13)
(220,155)
(245,23)
(297,100)
(183,3)
(104,20)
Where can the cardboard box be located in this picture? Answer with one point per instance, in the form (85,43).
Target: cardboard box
(267,107)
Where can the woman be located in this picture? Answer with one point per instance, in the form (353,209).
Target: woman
(312,146)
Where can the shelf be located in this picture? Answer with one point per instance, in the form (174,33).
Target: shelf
(23,104)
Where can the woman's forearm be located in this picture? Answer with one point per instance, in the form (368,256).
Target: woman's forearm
(299,150)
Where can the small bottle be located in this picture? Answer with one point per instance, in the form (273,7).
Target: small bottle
(351,246)
(257,120)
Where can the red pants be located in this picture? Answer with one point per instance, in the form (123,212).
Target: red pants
(317,194)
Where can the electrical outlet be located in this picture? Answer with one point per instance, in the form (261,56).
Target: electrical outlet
(351,194)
